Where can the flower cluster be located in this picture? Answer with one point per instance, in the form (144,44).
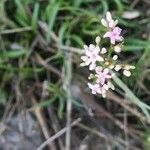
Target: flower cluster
(104,62)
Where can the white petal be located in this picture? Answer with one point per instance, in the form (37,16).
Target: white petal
(87,62)
(90,85)
(85,47)
(99,91)
(99,58)
(127,73)
(91,47)
(115,23)
(108,16)
(82,64)
(103,50)
(93,92)
(104,23)
(84,58)
(97,49)
(111,24)
(106,70)
(105,86)
(92,66)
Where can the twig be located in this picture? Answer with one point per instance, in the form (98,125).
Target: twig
(67,85)
(44,27)
(107,137)
(42,123)
(100,134)
(40,61)
(55,125)
(117,99)
(58,134)
(89,101)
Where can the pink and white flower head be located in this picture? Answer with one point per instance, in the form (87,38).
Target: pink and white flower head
(114,35)
(102,61)
(102,75)
(91,56)
(95,88)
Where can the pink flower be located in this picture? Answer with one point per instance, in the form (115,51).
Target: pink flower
(95,88)
(114,35)
(102,75)
(91,56)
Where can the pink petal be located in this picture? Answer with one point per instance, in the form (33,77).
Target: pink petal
(107,34)
(88,53)
(98,69)
(117,30)
(119,38)
(99,58)
(102,80)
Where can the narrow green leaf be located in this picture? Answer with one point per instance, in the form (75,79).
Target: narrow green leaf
(21,15)
(51,13)
(129,94)
(35,16)
(12,53)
